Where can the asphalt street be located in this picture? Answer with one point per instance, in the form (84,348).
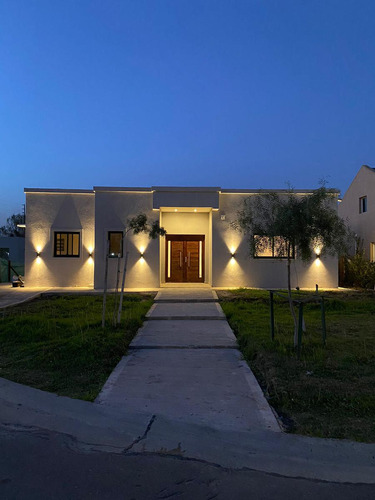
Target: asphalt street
(39,464)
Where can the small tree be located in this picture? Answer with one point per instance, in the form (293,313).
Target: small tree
(136,225)
(359,271)
(291,222)
(11,229)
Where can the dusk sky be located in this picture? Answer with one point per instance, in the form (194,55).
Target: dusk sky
(238,94)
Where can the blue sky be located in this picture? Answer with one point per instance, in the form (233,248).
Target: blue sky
(253,93)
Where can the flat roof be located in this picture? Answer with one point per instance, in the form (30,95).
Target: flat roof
(281,191)
(202,189)
(175,189)
(114,188)
(54,190)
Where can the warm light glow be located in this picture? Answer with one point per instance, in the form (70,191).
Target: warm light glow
(38,249)
(175,209)
(169,258)
(38,260)
(195,209)
(317,262)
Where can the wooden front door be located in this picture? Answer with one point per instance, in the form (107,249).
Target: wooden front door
(184,259)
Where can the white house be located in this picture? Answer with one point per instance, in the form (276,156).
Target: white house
(358,208)
(68,233)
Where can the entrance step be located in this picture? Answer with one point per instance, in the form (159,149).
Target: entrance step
(186,295)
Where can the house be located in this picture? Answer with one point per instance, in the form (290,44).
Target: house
(358,208)
(68,233)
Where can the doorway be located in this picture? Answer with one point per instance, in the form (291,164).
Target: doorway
(184,259)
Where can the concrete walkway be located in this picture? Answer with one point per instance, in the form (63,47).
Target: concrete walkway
(184,365)
(13,296)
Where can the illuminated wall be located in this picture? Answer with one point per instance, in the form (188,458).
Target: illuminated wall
(53,211)
(207,211)
(180,222)
(243,270)
(113,207)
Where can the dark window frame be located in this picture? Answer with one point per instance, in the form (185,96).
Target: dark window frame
(363,204)
(273,256)
(115,255)
(71,256)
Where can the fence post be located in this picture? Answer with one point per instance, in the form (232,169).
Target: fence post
(300,323)
(324,331)
(272,317)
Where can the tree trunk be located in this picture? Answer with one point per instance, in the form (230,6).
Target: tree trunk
(125,254)
(293,312)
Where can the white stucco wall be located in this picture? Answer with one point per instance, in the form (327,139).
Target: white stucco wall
(112,210)
(95,213)
(47,212)
(187,223)
(363,224)
(243,270)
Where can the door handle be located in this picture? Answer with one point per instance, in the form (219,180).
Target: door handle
(180,259)
(188,259)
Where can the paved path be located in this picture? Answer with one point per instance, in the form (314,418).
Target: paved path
(12,296)
(184,364)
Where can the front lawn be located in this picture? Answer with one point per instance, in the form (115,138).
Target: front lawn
(57,343)
(329,391)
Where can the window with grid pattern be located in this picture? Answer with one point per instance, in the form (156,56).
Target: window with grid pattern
(67,244)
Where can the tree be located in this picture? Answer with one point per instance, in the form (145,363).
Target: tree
(308,224)
(11,229)
(136,225)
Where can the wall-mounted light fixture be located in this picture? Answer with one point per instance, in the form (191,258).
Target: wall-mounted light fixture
(317,255)
(90,254)
(38,253)
(233,255)
(141,255)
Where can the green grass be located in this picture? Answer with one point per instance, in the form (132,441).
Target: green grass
(329,391)
(57,344)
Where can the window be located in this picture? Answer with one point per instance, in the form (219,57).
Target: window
(363,204)
(67,245)
(115,243)
(272,248)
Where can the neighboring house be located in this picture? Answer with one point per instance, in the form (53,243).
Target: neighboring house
(12,255)
(358,208)
(69,231)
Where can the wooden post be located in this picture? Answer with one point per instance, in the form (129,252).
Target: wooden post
(272,317)
(300,324)
(105,283)
(324,332)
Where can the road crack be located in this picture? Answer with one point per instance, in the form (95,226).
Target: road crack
(140,438)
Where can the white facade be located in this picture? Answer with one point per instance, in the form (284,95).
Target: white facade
(199,218)
(358,208)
